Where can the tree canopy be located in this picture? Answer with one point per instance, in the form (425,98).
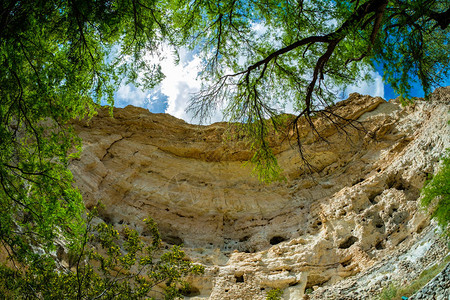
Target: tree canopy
(60,58)
(54,67)
(306,52)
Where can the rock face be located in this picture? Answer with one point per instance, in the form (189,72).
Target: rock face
(358,207)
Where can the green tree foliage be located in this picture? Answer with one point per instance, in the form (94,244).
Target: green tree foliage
(58,61)
(108,265)
(262,55)
(55,65)
(436,194)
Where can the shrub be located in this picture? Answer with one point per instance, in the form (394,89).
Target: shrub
(274,294)
(105,265)
(436,194)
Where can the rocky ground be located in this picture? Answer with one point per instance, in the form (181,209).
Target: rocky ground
(345,231)
(400,268)
(438,288)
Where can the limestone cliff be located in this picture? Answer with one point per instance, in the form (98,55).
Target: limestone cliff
(357,209)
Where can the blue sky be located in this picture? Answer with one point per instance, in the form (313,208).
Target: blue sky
(173,94)
(416,88)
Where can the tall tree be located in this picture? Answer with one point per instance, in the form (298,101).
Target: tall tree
(58,60)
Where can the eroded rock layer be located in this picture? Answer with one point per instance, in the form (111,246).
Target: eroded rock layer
(358,206)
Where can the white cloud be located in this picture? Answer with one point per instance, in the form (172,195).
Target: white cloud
(181,83)
(172,95)
(374,87)
(129,94)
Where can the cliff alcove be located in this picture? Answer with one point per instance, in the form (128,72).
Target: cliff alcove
(357,210)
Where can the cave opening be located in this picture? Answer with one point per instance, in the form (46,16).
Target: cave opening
(276,240)
(348,242)
(190,291)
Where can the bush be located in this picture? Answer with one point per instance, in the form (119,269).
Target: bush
(436,194)
(274,294)
(105,265)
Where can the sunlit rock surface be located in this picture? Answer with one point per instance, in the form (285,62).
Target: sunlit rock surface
(358,208)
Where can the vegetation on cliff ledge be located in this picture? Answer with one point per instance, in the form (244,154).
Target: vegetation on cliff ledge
(436,194)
